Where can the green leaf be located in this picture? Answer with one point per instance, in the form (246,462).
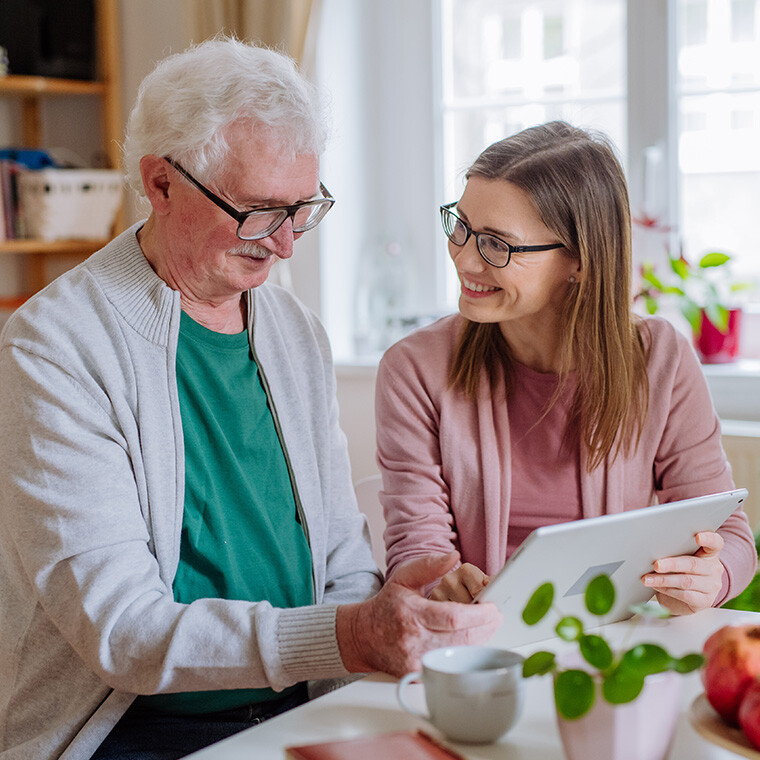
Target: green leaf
(622,685)
(538,664)
(600,595)
(573,693)
(539,604)
(749,599)
(596,651)
(693,315)
(646,659)
(569,628)
(681,268)
(713,259)
(649,276)
(651,304)
(688,663)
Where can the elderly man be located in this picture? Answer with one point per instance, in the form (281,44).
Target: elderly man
(180,548)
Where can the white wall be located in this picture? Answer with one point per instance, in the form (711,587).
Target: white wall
(149,32)
(356,398)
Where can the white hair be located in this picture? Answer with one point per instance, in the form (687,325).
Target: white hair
(185,104)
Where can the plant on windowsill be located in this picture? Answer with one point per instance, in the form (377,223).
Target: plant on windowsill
(706,295)
(601,693)
(749,599)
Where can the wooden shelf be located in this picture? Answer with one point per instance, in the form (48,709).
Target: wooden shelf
(32,246)
(32,92)
(25,86)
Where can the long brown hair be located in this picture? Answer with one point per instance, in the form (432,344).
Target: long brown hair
(579,190)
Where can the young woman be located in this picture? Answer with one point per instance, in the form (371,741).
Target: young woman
(545,399)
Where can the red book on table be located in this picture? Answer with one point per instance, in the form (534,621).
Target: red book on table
(401,745)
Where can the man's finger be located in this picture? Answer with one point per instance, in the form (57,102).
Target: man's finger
(453,616)
(420,572)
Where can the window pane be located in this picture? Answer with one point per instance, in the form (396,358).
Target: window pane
(694,21)
(719,122)
(743,19)
(522,48)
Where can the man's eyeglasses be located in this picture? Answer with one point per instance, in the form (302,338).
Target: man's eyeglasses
(493,250)
(262,222)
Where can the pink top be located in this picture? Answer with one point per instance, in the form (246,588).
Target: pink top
(544,462)
(447,461)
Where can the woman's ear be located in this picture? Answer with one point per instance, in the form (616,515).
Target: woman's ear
(156,181)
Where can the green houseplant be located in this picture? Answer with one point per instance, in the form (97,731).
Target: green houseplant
(707,287)
(620,673)
(706,295)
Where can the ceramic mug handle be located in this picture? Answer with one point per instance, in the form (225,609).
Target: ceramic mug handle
(402,684)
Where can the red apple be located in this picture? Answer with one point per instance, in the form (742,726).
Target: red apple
(733,665)
(749,713)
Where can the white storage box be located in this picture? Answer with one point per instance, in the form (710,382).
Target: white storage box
(62,204)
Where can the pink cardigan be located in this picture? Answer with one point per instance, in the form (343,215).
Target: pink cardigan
(445,459)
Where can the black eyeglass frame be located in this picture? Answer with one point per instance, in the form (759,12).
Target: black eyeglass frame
(241,216)
(447,212)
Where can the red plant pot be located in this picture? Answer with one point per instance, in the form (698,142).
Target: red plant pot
(716,347)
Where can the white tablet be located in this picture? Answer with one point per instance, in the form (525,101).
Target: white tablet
(623,546)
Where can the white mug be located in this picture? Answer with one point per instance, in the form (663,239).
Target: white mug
(474,694)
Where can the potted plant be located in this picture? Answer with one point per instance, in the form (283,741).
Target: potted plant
(706,296)
(612,704)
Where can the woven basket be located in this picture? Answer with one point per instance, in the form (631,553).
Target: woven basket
(63,204)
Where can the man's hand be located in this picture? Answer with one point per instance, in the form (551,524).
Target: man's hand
(391,631)
(690,583)
(460,585)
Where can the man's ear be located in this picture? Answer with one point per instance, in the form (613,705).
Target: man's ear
(156,178)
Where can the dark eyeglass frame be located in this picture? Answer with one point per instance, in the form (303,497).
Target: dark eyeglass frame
(446,212)
(240,217)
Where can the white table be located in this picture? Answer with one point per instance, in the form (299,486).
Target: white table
(369,706)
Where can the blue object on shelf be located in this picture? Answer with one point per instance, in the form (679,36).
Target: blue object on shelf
(31,159)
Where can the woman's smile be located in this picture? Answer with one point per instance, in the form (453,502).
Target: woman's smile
(476,288)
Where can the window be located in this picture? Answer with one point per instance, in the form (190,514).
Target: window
(718,94)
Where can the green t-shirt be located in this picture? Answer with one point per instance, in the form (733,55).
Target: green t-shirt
(241,537)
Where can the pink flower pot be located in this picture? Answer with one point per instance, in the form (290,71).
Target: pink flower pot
(714,346)
(639,730)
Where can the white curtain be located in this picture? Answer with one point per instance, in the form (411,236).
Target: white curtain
(286,25)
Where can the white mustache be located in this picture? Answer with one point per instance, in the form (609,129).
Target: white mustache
(253,249)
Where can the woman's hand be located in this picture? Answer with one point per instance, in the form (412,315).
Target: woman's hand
(460,585)
(690,583)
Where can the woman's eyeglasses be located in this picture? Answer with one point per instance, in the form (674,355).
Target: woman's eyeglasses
(493,250)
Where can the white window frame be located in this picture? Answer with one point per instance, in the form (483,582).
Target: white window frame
(652,110)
